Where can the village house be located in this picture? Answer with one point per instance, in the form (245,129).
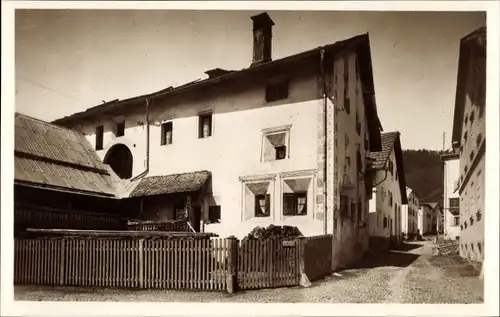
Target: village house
(389,192)
(470,141)
(451,199)
(431,218)
(282,142)
(409,214)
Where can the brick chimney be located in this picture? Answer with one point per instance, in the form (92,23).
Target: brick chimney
(262,38)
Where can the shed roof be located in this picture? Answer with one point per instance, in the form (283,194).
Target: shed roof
(53,157)
(169,184)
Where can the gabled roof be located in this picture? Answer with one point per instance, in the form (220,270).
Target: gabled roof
(388,141)
(432,205)
(391,141)
(360,44)
(169,184)
(476,38)
(53,157)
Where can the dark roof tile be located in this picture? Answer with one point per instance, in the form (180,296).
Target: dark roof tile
(388,141)
(168,184)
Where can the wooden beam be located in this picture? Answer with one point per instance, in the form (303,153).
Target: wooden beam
(117,233)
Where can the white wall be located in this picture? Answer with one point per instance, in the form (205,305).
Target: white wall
(409,213)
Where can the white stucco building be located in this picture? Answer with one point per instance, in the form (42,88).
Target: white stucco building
(282,142)
(469,139)
(409,213)
(389,193)
(451,198)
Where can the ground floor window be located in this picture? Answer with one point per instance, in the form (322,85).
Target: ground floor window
(296,190)
(257,196)
(262,205)
(295,204)
(456,221)
(214,214)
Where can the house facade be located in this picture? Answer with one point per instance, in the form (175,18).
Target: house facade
(431,222)
(469,140)
(409,213)
(451,201)
(389,192)
(282,142)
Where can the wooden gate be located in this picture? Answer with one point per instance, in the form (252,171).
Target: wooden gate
(268,264)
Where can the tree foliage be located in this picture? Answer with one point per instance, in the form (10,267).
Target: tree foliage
(424,174)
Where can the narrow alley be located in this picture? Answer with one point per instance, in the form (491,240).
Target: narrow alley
(411,276)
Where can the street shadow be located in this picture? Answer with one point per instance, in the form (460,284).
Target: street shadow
(408,246)
(386,258)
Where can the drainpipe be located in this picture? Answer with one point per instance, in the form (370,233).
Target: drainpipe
(325,110)
(146,171)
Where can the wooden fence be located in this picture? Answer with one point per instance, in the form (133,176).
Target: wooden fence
(139,263)
(26,216)
(176,263)
(318,252)
(268,263)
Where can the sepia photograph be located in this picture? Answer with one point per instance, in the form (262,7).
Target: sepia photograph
(258,155)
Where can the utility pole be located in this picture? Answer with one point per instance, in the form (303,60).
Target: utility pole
(445,194)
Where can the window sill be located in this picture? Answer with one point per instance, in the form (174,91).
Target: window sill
(277,102)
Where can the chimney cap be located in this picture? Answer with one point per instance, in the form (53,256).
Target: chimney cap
(262,20)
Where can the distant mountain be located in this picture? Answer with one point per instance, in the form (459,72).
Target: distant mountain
(424,174)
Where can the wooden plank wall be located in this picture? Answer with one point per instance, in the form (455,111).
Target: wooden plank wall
(318,252)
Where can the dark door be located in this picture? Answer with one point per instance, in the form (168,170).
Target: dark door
(196,218)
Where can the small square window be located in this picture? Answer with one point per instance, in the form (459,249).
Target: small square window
(205,125)
(280,152)
(262,205)
(99,137)
(275,145)
(167,133)
(277,91)
(214,214)
(120,129)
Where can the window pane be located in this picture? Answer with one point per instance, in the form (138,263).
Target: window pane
(301,204)
(261,208)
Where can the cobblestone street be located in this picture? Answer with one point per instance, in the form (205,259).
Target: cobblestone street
(413,276)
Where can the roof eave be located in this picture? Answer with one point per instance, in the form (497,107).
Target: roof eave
(63,189)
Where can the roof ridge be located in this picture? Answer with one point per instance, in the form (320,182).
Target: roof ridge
(48,123)
(160,93)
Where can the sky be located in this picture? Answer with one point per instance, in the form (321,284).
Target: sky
(71,60)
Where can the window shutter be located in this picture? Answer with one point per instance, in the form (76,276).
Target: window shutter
(288,204)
